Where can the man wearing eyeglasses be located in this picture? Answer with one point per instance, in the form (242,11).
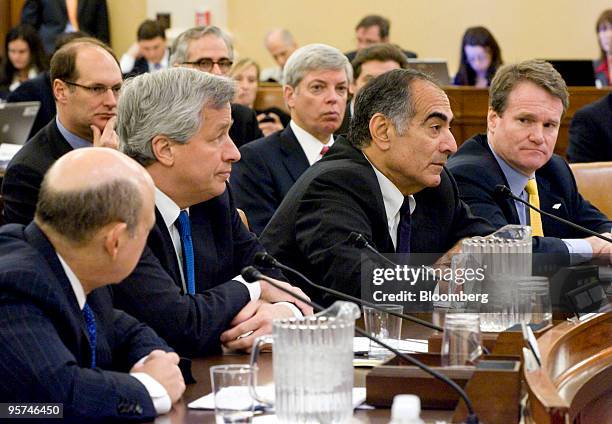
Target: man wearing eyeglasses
(86,80)
(209,49)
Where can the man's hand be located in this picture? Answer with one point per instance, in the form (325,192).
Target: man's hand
(255,318)
(272,294)
(269,127)
(163,367)
(108,137)
(602,250)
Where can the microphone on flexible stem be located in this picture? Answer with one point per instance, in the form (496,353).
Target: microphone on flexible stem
(266,260)
(251,274)
(506,192)
(360,242)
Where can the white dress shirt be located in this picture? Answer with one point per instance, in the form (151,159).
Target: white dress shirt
(128,61)
(157,392)
(310,145)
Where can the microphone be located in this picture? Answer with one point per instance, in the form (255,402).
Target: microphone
(264,259)
(504,191)
(251,274)
(360,242)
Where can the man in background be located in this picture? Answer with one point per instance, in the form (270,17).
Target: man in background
(317,79)
(373,29)
(62,341)
(281,44)
(209,49)
(149,53)
(86,81)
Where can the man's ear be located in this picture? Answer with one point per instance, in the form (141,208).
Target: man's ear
(163,149)
(115,234)
(492,118)
(289,95)
(380,129)
(60,89)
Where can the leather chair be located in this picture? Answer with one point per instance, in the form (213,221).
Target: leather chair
(594,180)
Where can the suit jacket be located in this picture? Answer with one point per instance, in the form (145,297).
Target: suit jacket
(153,292)
(340,194)
(477,173)
(49,17)
(245,127)
(351,55)
(590,132)
(26,170)
(141,66)
(265,173)
(46,355)
(36,89)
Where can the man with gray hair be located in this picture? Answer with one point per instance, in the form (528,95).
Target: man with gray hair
(316,80)
(209,49)
(187,286)
(281,44)
(526,103)
(386,182)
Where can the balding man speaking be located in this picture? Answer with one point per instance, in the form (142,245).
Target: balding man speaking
(61,339)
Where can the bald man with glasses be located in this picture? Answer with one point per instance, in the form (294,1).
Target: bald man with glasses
(86,80)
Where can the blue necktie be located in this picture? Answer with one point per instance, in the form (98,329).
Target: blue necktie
(90,321)
(403,229)
(184,228)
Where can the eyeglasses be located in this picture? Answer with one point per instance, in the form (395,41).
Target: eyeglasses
(97,89)
(207,64)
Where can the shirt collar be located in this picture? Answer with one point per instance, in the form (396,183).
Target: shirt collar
(516,180)
(77,287)
(74,140)
(311,146)
(168,209)
(163,62)
(392,197)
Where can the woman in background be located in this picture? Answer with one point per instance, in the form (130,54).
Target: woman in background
(246,72)
(603,65)
(480,58)
(24,58)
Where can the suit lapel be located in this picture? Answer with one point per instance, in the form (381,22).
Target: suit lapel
(163,248)
(294,159)
(206,260)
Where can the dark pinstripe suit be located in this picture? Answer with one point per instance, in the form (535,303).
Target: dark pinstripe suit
(45,354)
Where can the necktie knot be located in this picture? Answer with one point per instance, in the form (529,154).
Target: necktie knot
(532,187)
(324,150)
(90,322)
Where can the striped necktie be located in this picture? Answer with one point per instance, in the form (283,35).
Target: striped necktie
(90,322)
(184,228)
(534,200)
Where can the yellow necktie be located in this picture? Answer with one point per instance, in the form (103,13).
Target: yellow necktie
(536,221)
(72,9)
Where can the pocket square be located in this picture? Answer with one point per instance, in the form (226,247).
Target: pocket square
(556,206)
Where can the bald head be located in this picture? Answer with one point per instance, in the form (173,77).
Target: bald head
(280,44)
(87,189)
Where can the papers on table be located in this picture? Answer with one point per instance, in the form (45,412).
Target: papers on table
(362,345)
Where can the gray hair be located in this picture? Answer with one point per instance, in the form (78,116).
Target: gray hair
(180,47)
(314,57)
(78,214)
(389,94)
(169,103)
(285,36)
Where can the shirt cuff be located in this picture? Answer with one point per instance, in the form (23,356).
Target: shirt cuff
(579,250)
(296,311)
(253,288)
(159,395)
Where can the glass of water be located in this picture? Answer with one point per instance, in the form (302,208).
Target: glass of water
(383,326)
(231,386)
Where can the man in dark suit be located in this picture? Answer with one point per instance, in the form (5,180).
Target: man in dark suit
(86,80)
(373,29)
(387,182)
(187,286)
(209,49)
(526,103)
(317,78)
(62,341)
(369,63)
(590,132)
(52,18)
(149,53)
